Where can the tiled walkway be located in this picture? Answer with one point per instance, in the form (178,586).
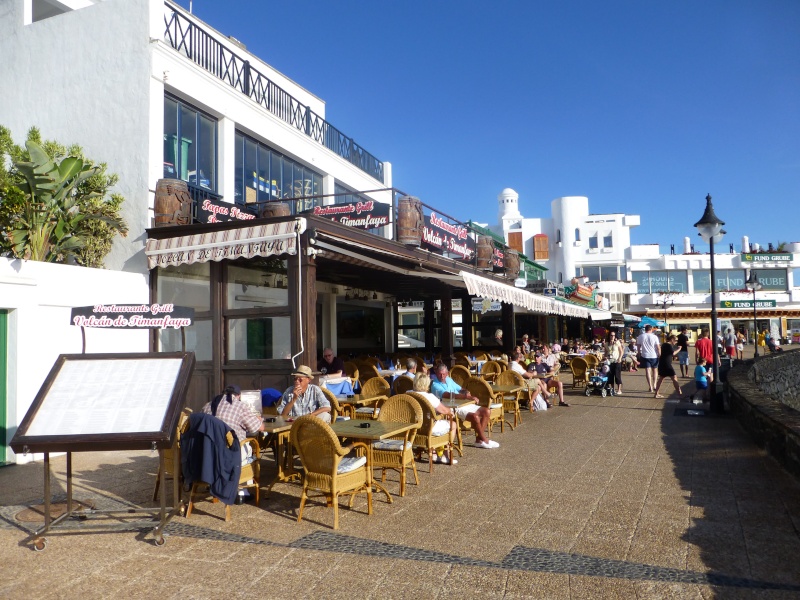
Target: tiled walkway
(613,497)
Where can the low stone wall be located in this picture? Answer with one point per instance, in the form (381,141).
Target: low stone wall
(764,395)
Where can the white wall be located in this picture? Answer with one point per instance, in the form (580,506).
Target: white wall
(39,297)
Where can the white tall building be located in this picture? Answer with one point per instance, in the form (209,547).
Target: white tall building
(573,243)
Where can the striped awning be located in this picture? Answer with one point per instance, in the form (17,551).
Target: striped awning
(243,242)
(501,292)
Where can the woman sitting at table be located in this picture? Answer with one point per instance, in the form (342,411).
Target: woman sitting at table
(422,383)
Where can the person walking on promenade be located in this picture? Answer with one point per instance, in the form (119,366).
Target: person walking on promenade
(683,351)
(649,350)
(665,368)
(704,348)
(614,351)
(739,345)
(730,343)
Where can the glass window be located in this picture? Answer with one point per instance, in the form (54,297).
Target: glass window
(659,281)
(238,174)
(593,241)
(701,282)
(609,273)
(577,234)
(607,241)
(259,338)
(558,236)
(678,281)
(257,288)
(186,285)
(773,279)
(593,273)
(190,144)
(642,279)
(198,339)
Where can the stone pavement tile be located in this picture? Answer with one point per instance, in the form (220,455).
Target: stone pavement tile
(721,512)
(730,563)
(722,536)
(653,549)
(764,513)
(656,590)
(549,538)
(525,584)
(675,512)
(600,587)
(474,582)
(613,545)
(617,510)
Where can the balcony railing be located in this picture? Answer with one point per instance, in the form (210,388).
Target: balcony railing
(206,51)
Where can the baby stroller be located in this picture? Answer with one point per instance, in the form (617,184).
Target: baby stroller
(598,382)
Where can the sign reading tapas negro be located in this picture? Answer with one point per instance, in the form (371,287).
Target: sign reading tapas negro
(132,316)
(361,215)
(448,238)
(217,211)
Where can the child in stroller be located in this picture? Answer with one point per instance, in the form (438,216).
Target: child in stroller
(599,381)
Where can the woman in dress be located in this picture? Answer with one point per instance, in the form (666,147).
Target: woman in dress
(668,350)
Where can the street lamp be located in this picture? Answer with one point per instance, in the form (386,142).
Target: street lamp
(710,229)
(663,304)
(754,284)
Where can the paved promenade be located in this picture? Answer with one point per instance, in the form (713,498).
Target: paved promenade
(615,497)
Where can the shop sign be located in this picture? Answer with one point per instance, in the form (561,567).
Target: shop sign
(359,215)
(550,292)
(132,316)
(498,259)
(217,211)
(767,257)
(451,239)
(540,285)
(747,304)
(484,305)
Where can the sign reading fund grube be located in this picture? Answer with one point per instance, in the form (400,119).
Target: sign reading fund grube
(132,316)
(440,235)
(361,215)
(216,211)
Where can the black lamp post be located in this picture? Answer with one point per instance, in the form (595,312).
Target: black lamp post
(754,284)
(663,304)
(710,229)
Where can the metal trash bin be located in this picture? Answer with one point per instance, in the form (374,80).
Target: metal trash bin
(725,364)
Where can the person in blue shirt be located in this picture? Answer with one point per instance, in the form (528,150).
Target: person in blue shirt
(701,379)
(443,387)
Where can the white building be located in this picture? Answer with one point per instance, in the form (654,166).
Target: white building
(156,93)
(572,243)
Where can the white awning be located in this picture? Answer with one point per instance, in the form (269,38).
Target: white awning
(494,290)
(244,242)
(599,315)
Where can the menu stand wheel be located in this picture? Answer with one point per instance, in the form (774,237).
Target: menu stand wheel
(160,540)
(39,544)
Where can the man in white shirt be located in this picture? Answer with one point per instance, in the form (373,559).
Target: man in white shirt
(649,350)
(518,366)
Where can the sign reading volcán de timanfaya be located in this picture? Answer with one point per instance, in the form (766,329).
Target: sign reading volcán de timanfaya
(132,316)
(446,237)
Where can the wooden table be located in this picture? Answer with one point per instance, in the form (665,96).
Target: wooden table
(284,456)
(377,430)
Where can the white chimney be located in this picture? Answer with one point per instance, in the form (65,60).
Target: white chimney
(687,245)
(755,248)
(745,244)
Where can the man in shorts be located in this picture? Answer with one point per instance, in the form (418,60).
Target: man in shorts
(683,353)
(649,350)
(704,348)
(444,387)
(730,343)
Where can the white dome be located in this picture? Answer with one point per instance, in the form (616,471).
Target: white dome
(507,192)
(507,201)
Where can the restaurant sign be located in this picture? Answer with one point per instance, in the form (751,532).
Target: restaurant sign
(450,239)
(132,316)
(484,305)
(747,304)
(767,257)
(360,215)
(217,211)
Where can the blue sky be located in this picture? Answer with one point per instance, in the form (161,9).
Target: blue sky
(643,106)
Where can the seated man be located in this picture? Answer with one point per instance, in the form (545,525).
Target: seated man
(543,370)
(304,398)
(411,368)
(518,366)
(422,383)
(444,387)
(549,358)
(330,365)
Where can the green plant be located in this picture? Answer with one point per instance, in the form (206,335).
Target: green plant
(55,205)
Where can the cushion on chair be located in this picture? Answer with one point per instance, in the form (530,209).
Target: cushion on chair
(368,410)
(440,427)
(351,463)
(396,445)
(495,406)
(342,418)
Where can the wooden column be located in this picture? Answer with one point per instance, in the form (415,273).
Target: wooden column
(509,332)
(466,323)
(447,325)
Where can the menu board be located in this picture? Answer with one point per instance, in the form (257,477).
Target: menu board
(123,401)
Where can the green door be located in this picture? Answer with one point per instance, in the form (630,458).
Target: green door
(3,380)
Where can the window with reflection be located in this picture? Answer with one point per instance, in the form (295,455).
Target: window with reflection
(259,338)
(593,241)
(263,174)
(264,286)
(197,336)
(190,144)
(773,279)
(608,241)
(185,285)
(653,282)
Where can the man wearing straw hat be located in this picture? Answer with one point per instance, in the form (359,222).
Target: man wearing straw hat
(304,398)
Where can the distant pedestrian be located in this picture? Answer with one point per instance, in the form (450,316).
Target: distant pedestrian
(730,343)
(683,351)
(649,350)
(704,348)
(614,351)
(665,368)
(739,346)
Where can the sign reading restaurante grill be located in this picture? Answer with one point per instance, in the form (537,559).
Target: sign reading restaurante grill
(448,238)
(747,304)
(132,316)
(361,215)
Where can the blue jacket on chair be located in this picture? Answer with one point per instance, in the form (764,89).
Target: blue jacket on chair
(206,457)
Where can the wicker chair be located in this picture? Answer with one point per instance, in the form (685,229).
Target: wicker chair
(338,410)
(481,356)
(511,399)
(325,466)
(486,397)
(462,361)
(351,370)
(366,371)
(490,370)
(425,440)
(377,386)
(169,453)
(403,384)
(580,370)
(460,375)
(250,478)
(592,361)
(397,453)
